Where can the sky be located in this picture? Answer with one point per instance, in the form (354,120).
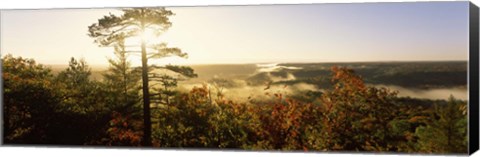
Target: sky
(423,31)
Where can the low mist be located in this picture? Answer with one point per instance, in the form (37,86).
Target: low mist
(438,93)
(243,92)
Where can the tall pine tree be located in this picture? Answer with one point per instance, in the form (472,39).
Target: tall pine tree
(136,22)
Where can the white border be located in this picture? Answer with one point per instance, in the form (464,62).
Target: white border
(84,152)
(45,4)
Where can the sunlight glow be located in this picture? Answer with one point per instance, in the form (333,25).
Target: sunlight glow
(149,36)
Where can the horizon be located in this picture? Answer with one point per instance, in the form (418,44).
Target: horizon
(260,63)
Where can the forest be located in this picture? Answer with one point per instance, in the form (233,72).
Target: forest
(150,106)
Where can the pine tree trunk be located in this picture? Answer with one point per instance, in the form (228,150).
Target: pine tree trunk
(125,77)
(147,128)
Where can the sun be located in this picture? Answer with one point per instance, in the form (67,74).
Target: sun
(149,36)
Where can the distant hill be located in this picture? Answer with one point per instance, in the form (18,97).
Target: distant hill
(97,70)
(405,74)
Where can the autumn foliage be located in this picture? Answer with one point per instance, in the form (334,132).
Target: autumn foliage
(41,108)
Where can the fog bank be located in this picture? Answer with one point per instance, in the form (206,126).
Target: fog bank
(438,93)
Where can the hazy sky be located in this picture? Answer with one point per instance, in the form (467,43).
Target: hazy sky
(268,33)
